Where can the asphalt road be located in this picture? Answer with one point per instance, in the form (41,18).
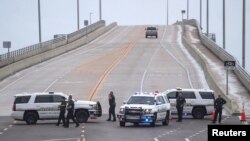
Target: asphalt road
(122,61)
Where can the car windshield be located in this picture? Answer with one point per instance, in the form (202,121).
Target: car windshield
(151,28)
(141,100)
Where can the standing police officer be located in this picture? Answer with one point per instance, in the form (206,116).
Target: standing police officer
(62,108)
(112,105)
(70,115)
(180,101)
(218,106)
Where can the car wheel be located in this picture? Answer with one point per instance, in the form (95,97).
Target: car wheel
(198,113)
(82,116)
(166,122)
(122,124)
(31,118)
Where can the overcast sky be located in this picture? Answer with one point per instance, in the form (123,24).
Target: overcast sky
(19,18)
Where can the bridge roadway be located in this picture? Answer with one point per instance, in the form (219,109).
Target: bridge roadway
(123,61)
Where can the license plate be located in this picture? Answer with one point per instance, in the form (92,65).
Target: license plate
(132,117)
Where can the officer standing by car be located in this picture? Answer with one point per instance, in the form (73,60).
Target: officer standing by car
(218,106)
(180,101)
(70,115)
(112,105)
(62,108)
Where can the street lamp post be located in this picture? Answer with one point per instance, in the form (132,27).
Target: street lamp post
(187,9)
(243,33)
(201,13)
(39,22)
(78,24)
(207,17)
(224,26)
(100,9)
(167,12)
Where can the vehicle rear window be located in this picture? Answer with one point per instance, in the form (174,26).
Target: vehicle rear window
(207,95)
(22,99)
(189,95)
(151,28)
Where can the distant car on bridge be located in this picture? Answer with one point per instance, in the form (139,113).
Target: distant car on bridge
(151,31)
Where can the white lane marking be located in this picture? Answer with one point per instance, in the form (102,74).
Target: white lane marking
(155,139)
(60,139)
(142,81)
(10,125)
(82,136)
(5,129)
(1,133)
(82,131)
(179,62)
(4,88)
(51,85)
(83,127)
(54,59)
(186,139)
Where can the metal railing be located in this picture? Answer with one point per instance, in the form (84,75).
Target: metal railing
(38,48)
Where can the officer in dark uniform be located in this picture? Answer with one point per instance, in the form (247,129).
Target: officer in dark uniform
(218,106)
(70,115)
(180,101)
(112,105)
(62,108)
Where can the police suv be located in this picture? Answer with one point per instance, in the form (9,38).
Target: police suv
(43,106)
(145,108)
(199,102)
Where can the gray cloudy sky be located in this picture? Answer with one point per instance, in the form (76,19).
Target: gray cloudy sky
(19,21)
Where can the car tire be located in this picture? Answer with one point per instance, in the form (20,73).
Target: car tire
(122,124)
(166,121)
(31,118)
(82,116)
(198,113)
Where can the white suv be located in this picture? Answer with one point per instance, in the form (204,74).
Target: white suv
(199,102)
(43,106)
(145,108)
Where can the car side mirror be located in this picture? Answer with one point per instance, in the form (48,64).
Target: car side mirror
(158,103)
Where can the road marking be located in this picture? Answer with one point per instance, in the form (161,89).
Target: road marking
(186,139)
(5,129)
(51,85)
(82,131)
(142,81)
(155,139)
(10,125)
(1,133)
(124,52)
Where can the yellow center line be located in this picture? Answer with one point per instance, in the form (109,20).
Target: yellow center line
(124,52)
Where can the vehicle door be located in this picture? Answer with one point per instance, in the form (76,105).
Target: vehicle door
(191,100)
(172,99)
(161,105)
(45,106)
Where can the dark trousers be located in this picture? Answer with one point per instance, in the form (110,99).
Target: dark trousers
(70,115)
(112,112)
(218,111)
(61,117)
(179,112)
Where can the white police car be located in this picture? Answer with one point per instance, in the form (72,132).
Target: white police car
(199,102)
(145,108)
(44,106)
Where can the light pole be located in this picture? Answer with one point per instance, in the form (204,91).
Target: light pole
(100,9)
(167,12)
(90,14)
(39,22)
(243,34)
(224,26)
(201,14)
(78,24)
(207,17)
(7,44)
(187,9)
(183,12)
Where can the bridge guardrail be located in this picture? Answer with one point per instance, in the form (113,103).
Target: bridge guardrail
(38,48)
